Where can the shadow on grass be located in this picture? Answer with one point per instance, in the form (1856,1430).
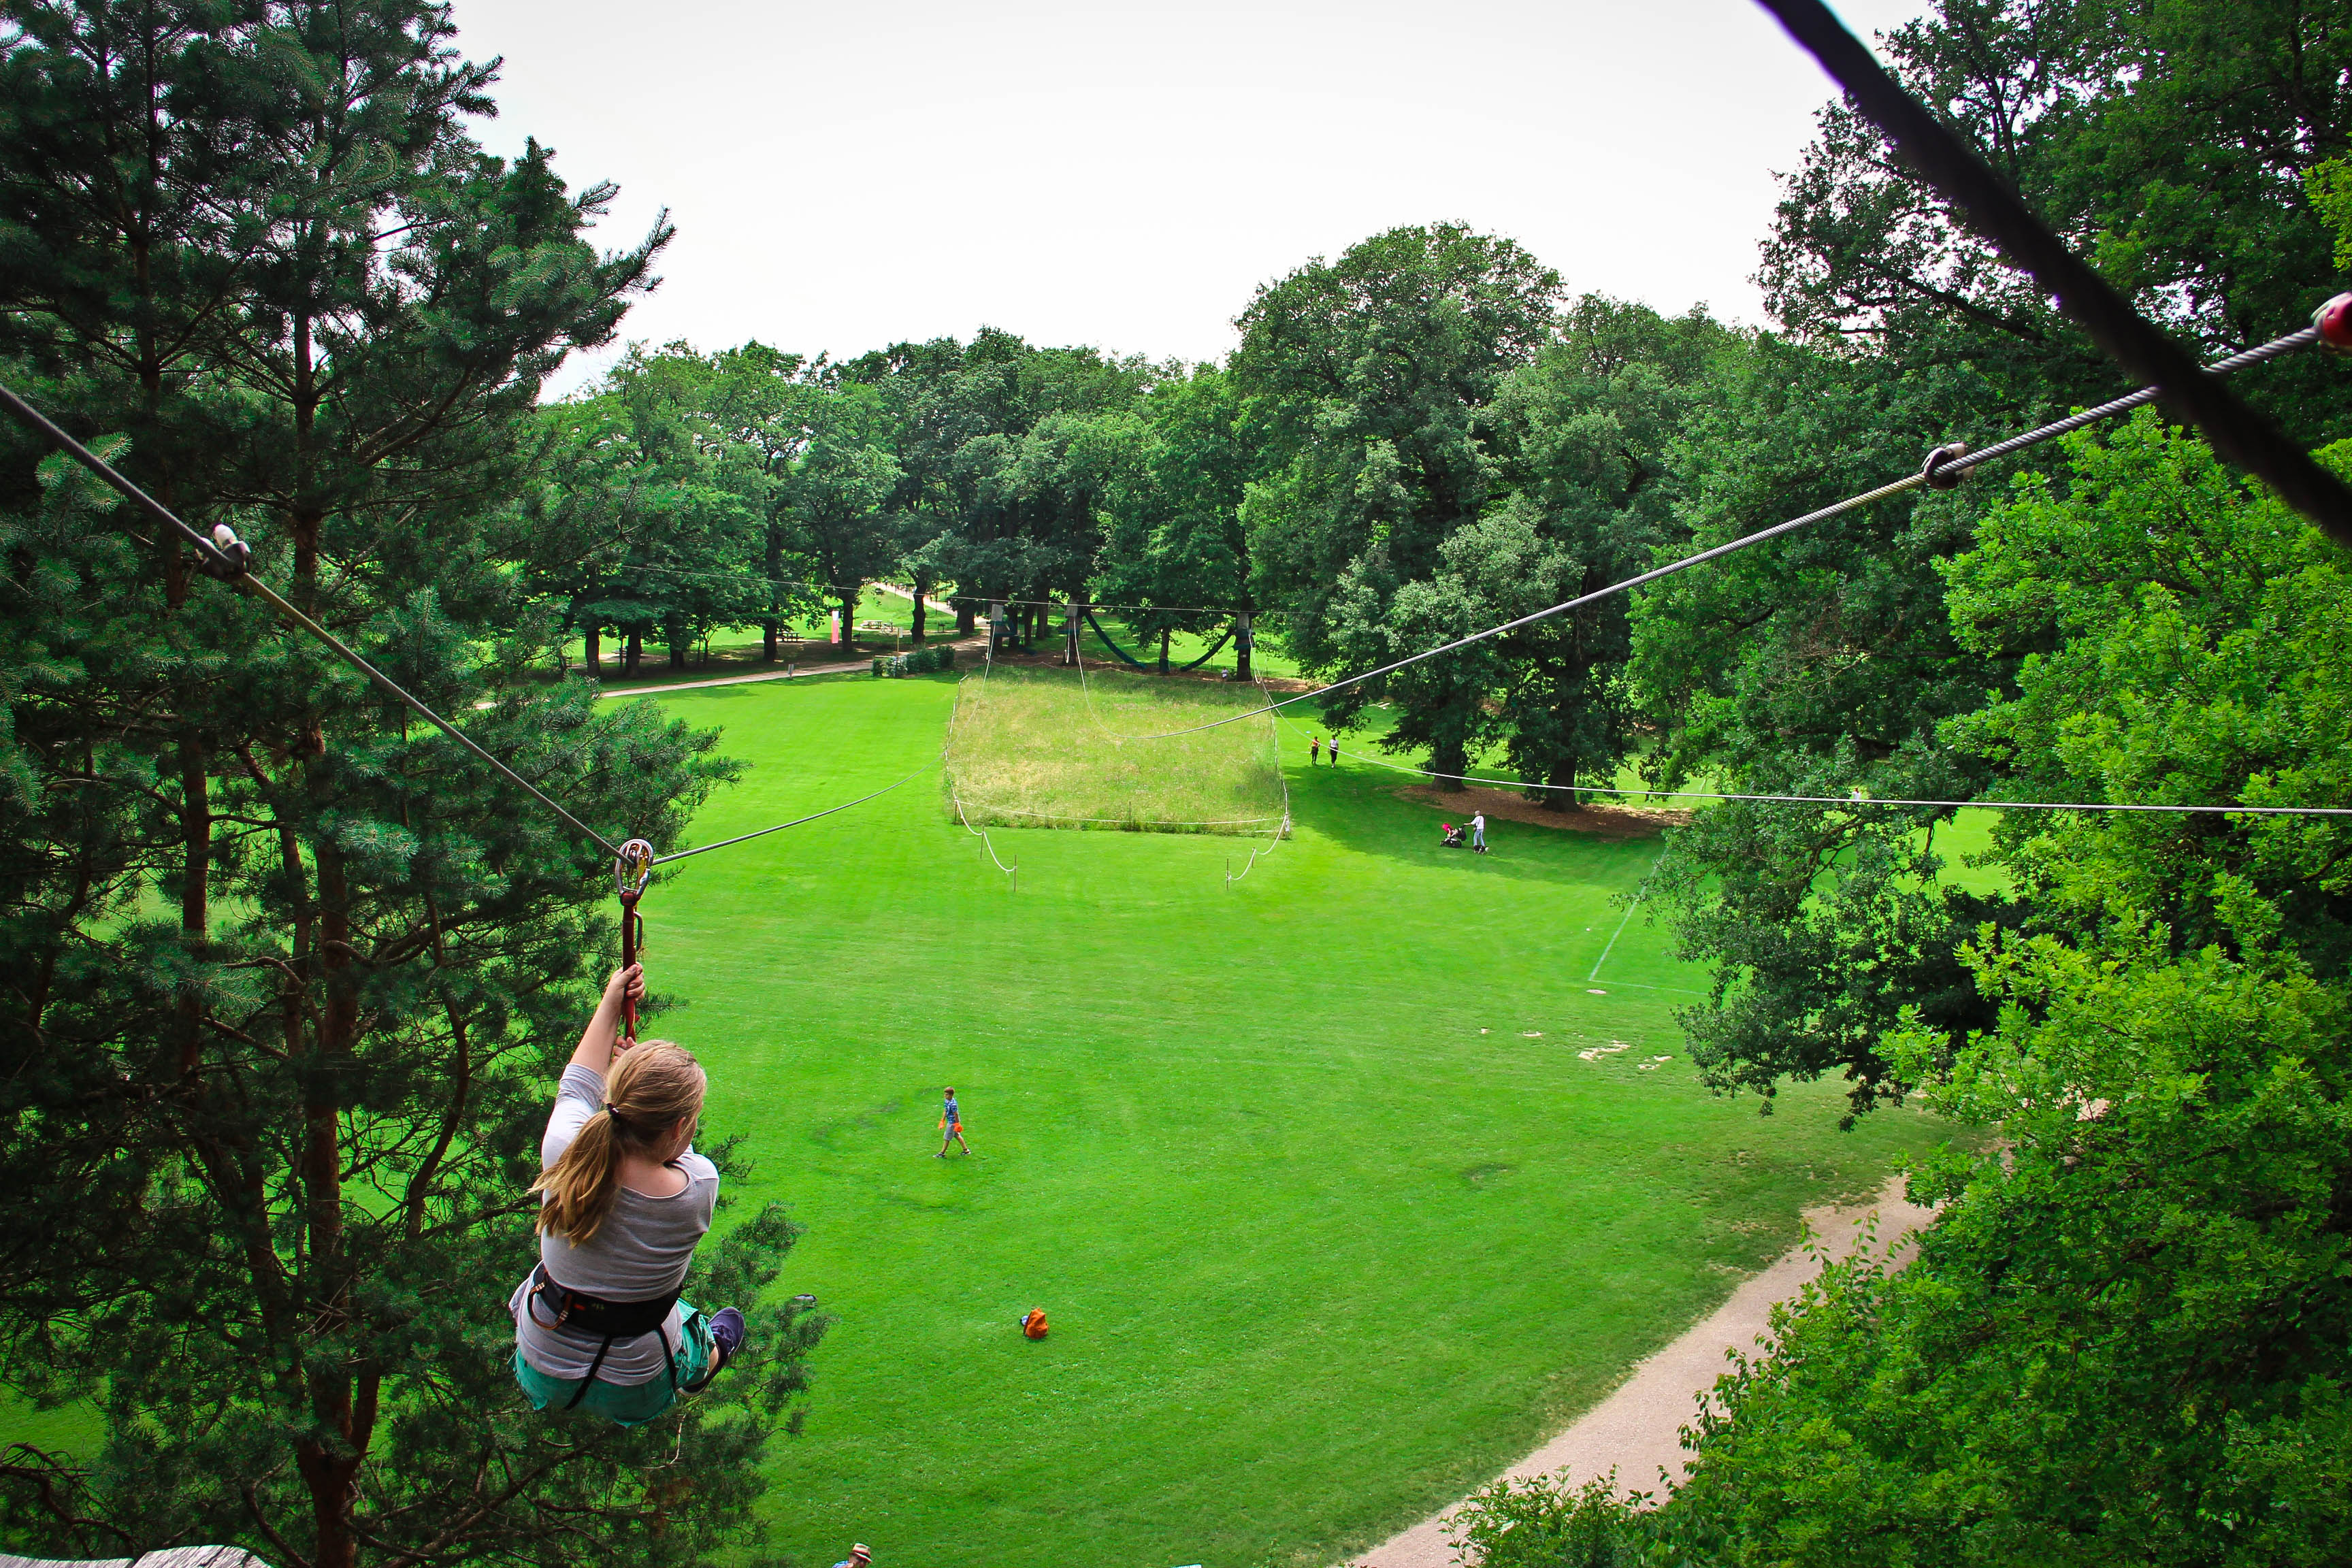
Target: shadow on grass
(1360,810)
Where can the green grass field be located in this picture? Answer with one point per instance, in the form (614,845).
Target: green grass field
(1331,1218)
(1037,748)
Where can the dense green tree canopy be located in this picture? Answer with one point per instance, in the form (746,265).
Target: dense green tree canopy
(1376,368)
(288,974)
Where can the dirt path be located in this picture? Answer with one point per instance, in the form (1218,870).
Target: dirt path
(1636,1429)
(832,667)
(908,594)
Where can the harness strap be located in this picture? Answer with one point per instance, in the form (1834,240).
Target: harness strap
(589,1381)
(613,1319)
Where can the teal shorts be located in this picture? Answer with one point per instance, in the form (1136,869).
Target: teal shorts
(630,1403)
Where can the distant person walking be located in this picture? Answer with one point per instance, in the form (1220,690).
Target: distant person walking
(1335,751)
(1314,750)
(951,1128)
(1478,833)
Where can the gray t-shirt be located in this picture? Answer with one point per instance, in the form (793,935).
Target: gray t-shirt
(641,1251)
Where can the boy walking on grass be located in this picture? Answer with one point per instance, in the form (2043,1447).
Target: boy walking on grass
(1478,833)
(951,1129)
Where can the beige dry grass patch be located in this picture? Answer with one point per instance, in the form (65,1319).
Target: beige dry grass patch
(1028,749)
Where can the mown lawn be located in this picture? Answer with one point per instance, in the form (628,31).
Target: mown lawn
(1331,1219)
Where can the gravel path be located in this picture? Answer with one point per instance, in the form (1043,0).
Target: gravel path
(1637,1429)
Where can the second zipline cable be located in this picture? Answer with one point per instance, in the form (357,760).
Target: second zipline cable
(1941,462)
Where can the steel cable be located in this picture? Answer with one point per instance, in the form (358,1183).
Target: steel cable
(221,564)
(2302,338)
(1996,211)
(1988,804)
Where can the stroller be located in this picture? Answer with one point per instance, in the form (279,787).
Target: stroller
(1453,837)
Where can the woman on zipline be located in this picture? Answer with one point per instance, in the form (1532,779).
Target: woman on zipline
(624,1198)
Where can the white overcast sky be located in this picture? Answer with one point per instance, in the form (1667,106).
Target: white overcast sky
(845,175)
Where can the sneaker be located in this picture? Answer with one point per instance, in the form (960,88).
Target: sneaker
(727,1331)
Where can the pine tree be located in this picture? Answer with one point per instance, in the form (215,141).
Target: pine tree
(264,1174)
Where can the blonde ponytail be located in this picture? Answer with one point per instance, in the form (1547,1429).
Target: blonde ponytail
(654,1087)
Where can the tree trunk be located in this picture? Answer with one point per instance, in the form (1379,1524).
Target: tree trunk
(631,649)
(849,619)
(921,587)
(1164,649)
(1243,637)
(1559,799)
(196,869)
(772,628)
(673,634)
(591,638)
(966,618)
(330,1456)
(1448,757)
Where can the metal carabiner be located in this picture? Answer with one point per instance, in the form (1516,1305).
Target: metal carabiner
(631,871)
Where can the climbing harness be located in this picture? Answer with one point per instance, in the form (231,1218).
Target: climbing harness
(614,1320)
(632,869)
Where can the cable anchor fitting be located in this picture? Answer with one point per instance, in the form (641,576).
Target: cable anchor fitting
(2332,321)
(1937,470)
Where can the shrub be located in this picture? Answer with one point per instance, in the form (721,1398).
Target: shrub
(1544,1523)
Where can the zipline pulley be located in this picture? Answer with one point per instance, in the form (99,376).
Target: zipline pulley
(236,555)
(631,871)
(1941,458)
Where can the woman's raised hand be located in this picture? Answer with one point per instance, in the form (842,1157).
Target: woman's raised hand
(627,983)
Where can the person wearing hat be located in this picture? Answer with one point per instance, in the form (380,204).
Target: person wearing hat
(859,1556)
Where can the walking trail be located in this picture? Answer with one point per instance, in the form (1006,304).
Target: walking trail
(1637,1429)
(832,667)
